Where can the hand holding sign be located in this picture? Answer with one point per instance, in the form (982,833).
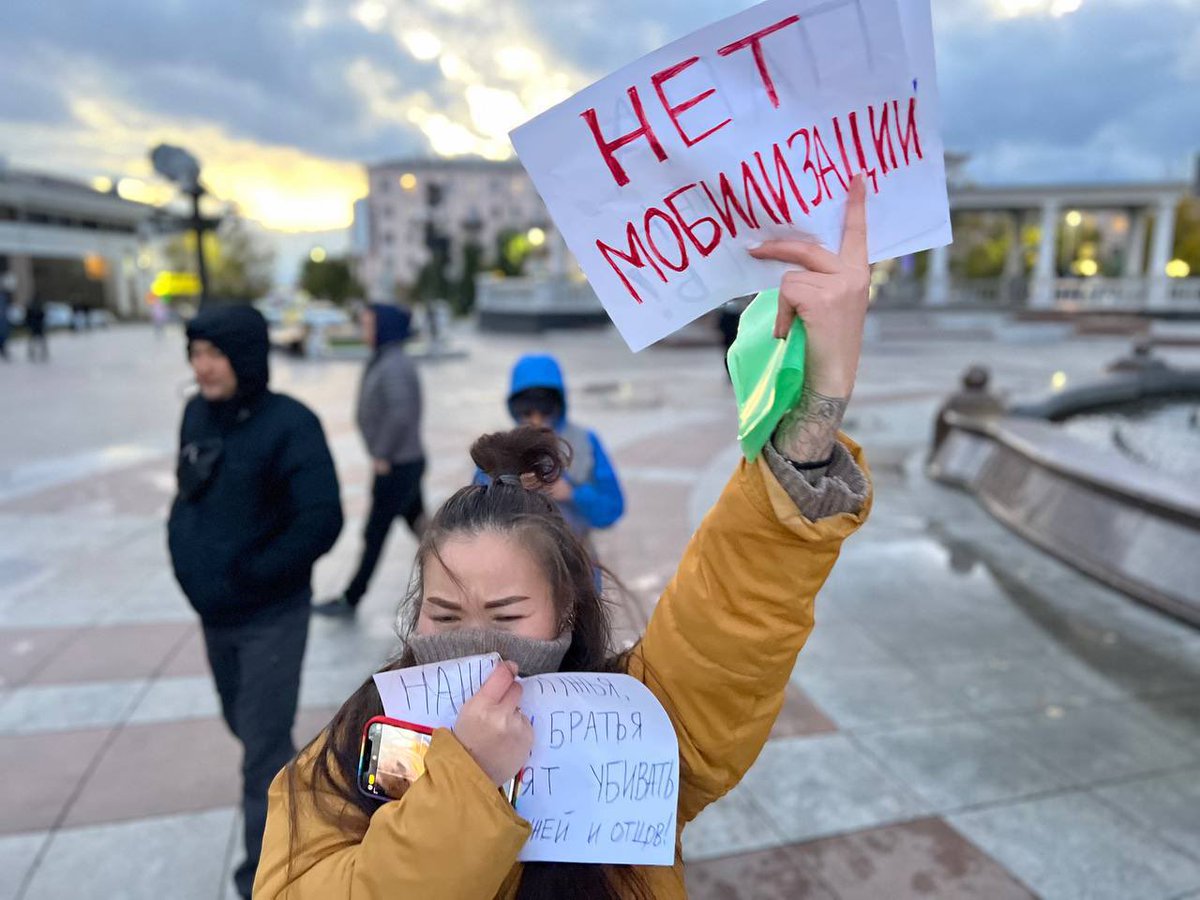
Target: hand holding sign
(492,727)
(660,176)
(597,755)
(830,296)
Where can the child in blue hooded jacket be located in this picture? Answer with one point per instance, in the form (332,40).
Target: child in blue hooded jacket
(589,495)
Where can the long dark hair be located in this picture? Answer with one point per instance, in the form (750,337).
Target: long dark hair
(519,462)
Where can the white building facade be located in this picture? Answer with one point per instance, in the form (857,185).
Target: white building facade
(70,243)
(462,200)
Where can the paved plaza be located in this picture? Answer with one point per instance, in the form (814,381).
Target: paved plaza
(970,718)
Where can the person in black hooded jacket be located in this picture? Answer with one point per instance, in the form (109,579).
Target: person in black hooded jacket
(258,504)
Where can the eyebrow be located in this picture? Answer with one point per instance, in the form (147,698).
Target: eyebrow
(503,601)
(491,604)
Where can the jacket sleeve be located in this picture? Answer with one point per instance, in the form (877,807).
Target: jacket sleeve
(722,642)
(313,507)
(397,410)
(452,835)
(599,500)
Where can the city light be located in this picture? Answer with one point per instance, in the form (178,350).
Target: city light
(102,183)
(408,181)
(317,254)
(1074,218)
(95,267)
(537,237)
(131,189)
(1088,267)
(1058,381)
(1178,268)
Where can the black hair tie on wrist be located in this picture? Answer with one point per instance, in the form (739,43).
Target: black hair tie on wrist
(810,466)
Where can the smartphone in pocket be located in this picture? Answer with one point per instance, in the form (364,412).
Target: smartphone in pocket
(391,757)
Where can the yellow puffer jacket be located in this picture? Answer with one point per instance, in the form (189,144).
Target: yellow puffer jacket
(717,653)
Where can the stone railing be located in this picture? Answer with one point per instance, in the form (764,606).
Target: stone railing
(1116,294)
(1102,293)
(1184,291)
(534,303)
(535,294)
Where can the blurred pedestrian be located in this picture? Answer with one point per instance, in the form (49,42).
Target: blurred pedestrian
(159,315)
(8,285)
(389,417)
(257,505)
(589,494)
(35,325)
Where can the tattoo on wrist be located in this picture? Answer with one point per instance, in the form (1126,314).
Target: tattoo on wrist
(808,431)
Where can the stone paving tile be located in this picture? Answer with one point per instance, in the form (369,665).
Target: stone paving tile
(176,699)
(1073,847)
(17,854)
(984,635)
(41,773)
(1178,716)
(876,694)
(800,717)
(695,452)
(912,861)
(959,764)
(144,489)
(1016,685)
(45,708)
(189,658)
(24,650)
(767,875)
(310,723)
(161,769)
(158,606)
(331,687)
(1167,804)
(180,856)
(734,824)
(1093,743)
(113,653)
(817,786)
(837,644)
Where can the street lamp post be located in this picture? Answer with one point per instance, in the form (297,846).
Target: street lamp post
(180,167)
(197,224)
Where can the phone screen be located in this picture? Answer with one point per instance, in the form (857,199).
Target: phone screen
(392,759)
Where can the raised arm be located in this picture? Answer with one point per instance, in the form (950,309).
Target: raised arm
(722,642)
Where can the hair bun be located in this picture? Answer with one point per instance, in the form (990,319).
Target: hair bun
(522,451)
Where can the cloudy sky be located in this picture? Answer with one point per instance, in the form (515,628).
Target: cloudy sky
(283,99)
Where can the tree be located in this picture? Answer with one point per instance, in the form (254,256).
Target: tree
(330,279)
(512,247)
(463,293)
(1187,233)
(240,265)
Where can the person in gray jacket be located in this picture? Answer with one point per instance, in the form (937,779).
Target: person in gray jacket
(389,417)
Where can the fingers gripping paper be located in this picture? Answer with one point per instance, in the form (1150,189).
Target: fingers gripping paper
(662,175)
(602,782)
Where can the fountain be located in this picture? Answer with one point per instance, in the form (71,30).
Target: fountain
(1106,476)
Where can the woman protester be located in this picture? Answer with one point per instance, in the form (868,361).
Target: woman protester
(499,569)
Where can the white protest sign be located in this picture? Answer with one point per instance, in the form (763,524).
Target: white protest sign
(432,695)
(662,175)
(602,782)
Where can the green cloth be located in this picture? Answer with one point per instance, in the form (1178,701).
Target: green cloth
(767,373)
